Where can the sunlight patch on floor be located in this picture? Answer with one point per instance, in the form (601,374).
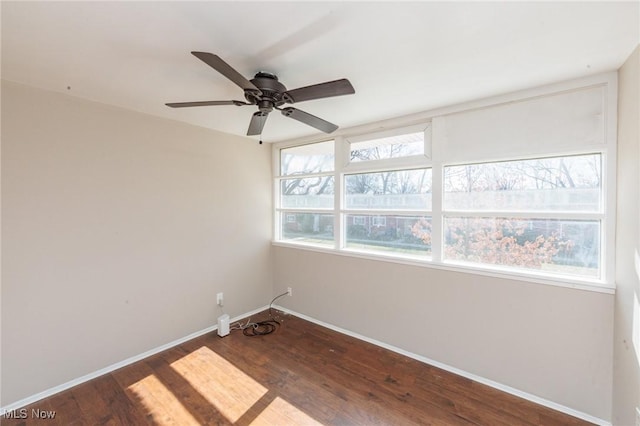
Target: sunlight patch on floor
(224,386)
(280,412)
(161,403)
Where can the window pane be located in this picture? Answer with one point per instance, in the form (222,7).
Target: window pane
(307,227)
(570,247)
(314,192)
(390,233)
(307,159)
(398,190)
(547,184)
(389,147)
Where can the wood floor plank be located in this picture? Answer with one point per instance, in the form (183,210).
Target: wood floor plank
(300,374)
(196,403)
(66,408)
(93,407)
(118,404)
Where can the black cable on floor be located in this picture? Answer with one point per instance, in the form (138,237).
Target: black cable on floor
(262,328)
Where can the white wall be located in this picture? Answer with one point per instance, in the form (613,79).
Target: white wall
(118,229)
(626,378)
(548,341)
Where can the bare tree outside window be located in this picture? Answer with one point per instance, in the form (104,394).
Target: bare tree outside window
(549,184)
(306,189)
(390,147)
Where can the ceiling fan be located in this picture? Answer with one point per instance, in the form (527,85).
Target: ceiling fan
(267,93)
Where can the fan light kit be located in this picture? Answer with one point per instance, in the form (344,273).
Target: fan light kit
(267,93)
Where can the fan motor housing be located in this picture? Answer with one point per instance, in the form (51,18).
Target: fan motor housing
(271,90)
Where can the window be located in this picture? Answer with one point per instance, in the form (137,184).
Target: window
(390,190)
(307,159)
(306,194)
(542,214)
(557,184)
(359,220)
(523,188)
(397,204)
(379,221)
(396,146)
(409,235)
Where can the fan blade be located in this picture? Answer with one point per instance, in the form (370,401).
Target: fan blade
(257,123)
(311,120)
(318,91)
(204,103)
(225,69)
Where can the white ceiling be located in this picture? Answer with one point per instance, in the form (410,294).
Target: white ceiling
(401,58)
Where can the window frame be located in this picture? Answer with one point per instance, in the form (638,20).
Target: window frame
(385,164)
(598,216)
(437,214)
(434,121)
(413,162)
(279,210)
(378,214)
(425,128)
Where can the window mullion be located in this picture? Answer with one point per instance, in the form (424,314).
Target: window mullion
(438,139)
(341,159)
(524,215)
(277,226)
(372,212)
(436,209)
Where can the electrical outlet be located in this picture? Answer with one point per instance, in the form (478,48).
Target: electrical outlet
(220,299)
(289,291)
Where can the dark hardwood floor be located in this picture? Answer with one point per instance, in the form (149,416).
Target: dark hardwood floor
(302,374)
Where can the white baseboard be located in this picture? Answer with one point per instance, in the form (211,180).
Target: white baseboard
(491,383)
(51,391)
(533,398)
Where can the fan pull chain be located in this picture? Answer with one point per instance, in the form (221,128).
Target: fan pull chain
(263,117)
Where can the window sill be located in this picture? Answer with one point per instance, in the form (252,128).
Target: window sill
(537,278)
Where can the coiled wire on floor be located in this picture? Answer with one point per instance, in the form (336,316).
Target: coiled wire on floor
(260,328)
